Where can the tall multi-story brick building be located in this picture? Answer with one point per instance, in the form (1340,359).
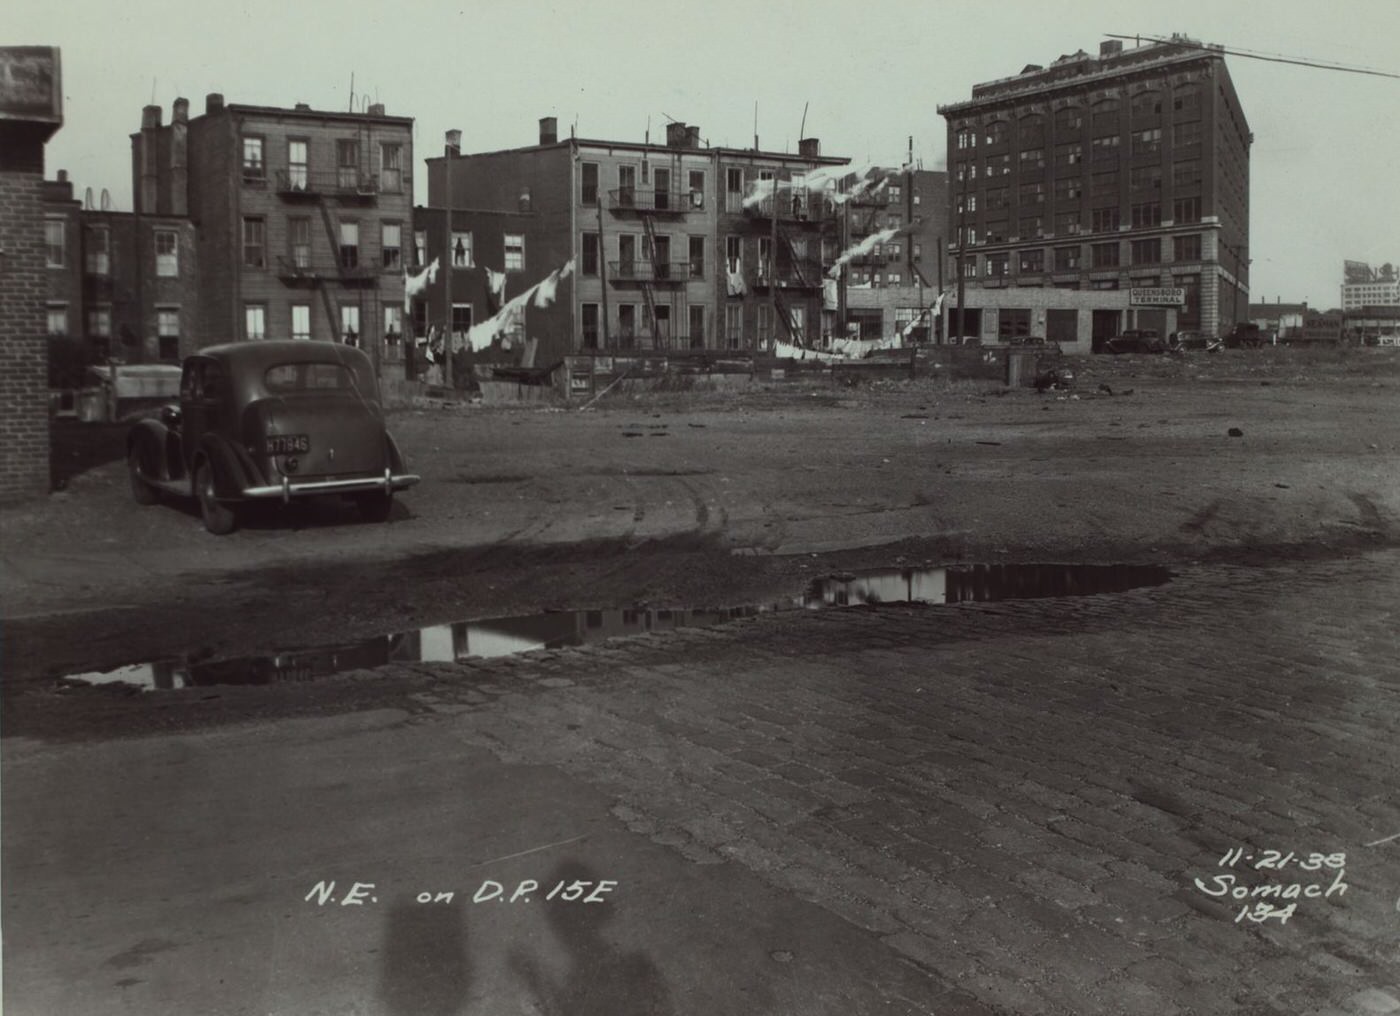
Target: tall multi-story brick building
(31,110)
(120,285)
(303,217)
(1128,171)
(668,253)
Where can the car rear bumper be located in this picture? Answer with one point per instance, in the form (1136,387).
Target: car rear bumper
(289,488)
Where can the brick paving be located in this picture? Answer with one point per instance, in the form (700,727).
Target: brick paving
(1020,796)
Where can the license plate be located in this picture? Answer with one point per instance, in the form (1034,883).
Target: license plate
(286,444)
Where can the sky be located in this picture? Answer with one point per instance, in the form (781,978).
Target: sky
(863,77)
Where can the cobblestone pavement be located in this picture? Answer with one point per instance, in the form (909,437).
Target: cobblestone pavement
(1037,801)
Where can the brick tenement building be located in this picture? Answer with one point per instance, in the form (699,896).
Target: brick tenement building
(667,253)
(31,111)
(120,285)
(1125,171)
(302,217)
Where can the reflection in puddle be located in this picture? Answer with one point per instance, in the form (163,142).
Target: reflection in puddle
(505,636)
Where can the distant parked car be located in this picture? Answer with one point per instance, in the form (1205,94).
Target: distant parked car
(1246,335)
(269,421)
(1137,340)
(1193,340)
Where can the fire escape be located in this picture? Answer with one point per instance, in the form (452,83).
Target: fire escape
(659,278)
(345,278)
(792,274)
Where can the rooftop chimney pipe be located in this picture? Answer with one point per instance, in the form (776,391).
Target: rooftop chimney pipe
(549,130)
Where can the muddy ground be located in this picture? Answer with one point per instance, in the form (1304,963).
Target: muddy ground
(705,498)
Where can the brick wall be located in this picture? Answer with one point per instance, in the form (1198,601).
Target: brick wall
(24,417)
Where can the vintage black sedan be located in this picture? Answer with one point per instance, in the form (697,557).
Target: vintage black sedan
(269,421)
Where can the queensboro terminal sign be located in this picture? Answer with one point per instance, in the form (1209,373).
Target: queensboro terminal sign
(1156,296)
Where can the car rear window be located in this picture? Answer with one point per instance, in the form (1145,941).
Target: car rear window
(309,377)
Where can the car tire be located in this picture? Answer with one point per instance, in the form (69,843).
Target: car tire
(141,491)
(219,518)
(375,507)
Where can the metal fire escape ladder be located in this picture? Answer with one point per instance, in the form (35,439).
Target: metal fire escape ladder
(331,317)
(649,282)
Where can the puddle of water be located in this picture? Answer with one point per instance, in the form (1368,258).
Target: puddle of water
(505,636)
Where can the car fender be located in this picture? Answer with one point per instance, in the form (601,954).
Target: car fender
(395,456)
(234,470)
(150,437)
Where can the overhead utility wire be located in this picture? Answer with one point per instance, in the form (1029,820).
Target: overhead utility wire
(1255,56)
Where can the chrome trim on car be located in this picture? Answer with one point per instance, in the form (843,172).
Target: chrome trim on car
(286,489)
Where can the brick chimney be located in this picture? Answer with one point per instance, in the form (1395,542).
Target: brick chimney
(675,135)
(549,130)
(213,103)
(148,147)
(809,148)
(179,157)
(692,137)
(454,142)
(376,109)
(1110,47)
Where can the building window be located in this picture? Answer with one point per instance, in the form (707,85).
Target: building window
(1105,255)
(1103,219)
(733,254)
(1105,147)
(1190,314)
(461,319)
(1187,248)
(626,255)
(1032,194)
(1069,119)
(734,324)
(589,322)
(301,320)
(696,328)
(349,245)
(391,167)
(1187,100)
(996,231)
(1071,154)
(254,167)
(58,319)
(589,246)
(350,324)
(697,188)
(515,252)
(1149,213)
(765,256)
(1148,141)
(99,322)
(1145,178)
(254,243)
(733,189)
(627,324)
(626,186)
(1104,185)
(420,247)
(970,268)
(1066,223)
(967,138)
(347,164)
(697,257)
(1186,134)
(765,323)
(1032,158)
(393,325)
(56,243)
(1103,283)
(588,183)
(1031,225)
(1147,252)
(1105,114)
(996,133)
(167,253)
(1013,323)
(1146,104)
(391,245)
(462,250)
(1032,261)
(99,260)
(168,332)
(1066,259)
(297,170)
(996,265)
(254,321)
(997,197)
(1186,209)
(299,240)
(1186,173)
(997,165)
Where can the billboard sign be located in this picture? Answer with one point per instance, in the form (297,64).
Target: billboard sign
(30,86)
(1156,296)
(1356,273)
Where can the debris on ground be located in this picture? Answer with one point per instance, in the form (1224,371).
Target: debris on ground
(1236,432)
